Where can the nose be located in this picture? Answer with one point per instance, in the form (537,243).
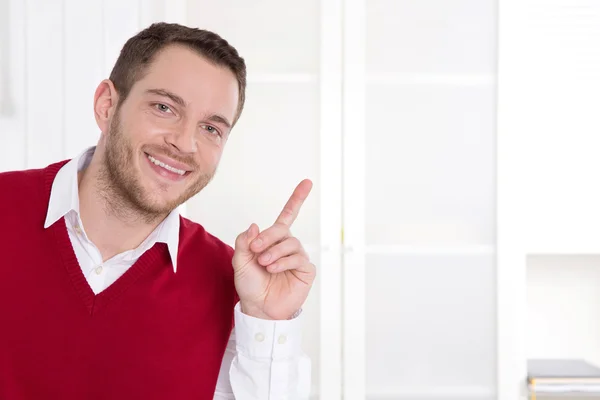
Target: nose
(183,138)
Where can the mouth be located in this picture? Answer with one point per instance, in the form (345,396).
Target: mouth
(165,169)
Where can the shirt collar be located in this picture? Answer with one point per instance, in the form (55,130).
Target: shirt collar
(64,197)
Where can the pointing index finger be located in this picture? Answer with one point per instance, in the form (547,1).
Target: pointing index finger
(292,207)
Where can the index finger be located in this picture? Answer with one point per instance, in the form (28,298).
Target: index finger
(292,207)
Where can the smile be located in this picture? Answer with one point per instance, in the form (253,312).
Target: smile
(166,166)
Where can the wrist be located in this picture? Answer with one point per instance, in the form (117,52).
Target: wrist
(254,311)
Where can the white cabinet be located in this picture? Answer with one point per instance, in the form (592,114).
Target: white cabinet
(389,106)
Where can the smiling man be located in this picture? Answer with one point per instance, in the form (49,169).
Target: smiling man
(106,292)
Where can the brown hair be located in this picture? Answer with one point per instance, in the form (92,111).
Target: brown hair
(138,52)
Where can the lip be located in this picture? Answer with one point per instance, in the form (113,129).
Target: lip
(169,161)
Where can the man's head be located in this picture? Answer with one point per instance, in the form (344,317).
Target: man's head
(165,115)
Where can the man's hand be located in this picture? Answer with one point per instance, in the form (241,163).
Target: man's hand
(273,273)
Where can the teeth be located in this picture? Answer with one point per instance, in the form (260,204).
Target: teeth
(166,166)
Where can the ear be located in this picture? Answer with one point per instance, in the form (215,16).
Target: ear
(106,99)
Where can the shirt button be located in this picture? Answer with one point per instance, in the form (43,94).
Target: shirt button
(282,339)
(259,337)
(78,229)
(98,270)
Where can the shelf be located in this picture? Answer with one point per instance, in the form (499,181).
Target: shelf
(282,78)
(431,250)
(425,250)
(434,393)
(432,79)
(565,395)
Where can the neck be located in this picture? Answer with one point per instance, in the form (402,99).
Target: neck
(111,222)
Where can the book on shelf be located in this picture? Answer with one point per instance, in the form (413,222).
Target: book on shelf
(562,376)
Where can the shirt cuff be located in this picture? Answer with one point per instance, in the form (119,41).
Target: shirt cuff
(265,339)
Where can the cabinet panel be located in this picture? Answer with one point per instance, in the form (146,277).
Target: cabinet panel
(431,36)
(430,165)
(429,327)
(83,69)
(272,36)
(13,80)
(44,35)
(121,21)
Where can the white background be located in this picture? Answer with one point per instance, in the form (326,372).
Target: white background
(445,147)
(547,210)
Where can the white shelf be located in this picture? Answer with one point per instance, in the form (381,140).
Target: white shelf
(282,78)
(446,393)
(432,79)
(582,242)
(411,249)
(431,250)
(568,395)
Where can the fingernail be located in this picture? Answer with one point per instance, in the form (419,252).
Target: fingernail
(258,242)
(266,257)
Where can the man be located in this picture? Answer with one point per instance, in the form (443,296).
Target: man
(106,292)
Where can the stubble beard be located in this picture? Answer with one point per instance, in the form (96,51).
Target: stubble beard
(121,189)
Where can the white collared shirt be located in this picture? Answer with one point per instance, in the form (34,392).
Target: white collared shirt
(263,359)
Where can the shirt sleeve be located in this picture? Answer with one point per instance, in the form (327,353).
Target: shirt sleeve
(264,361)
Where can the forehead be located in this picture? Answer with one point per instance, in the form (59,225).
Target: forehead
(205,87)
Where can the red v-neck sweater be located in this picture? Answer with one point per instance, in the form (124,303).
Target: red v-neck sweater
(153,334)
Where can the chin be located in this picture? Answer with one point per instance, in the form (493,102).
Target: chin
(162,203)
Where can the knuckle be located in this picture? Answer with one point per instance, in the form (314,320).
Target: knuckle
(288,212)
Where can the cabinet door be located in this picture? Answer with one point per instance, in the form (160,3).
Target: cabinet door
(419,216)
(276,144)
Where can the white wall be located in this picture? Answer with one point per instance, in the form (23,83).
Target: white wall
(548,215)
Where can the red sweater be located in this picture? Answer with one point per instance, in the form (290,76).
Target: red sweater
(153,334)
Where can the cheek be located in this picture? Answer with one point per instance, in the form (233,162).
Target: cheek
(209,155)
(148,126)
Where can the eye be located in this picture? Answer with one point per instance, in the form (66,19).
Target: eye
(163,108)
(211,129)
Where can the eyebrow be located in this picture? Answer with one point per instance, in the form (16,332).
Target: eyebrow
(220,119)
(179,100)
(165,93)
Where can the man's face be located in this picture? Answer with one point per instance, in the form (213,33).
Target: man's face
(165,141)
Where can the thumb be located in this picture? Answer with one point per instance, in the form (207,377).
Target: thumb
(242,242)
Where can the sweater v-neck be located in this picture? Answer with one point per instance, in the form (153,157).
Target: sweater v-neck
(94,302)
